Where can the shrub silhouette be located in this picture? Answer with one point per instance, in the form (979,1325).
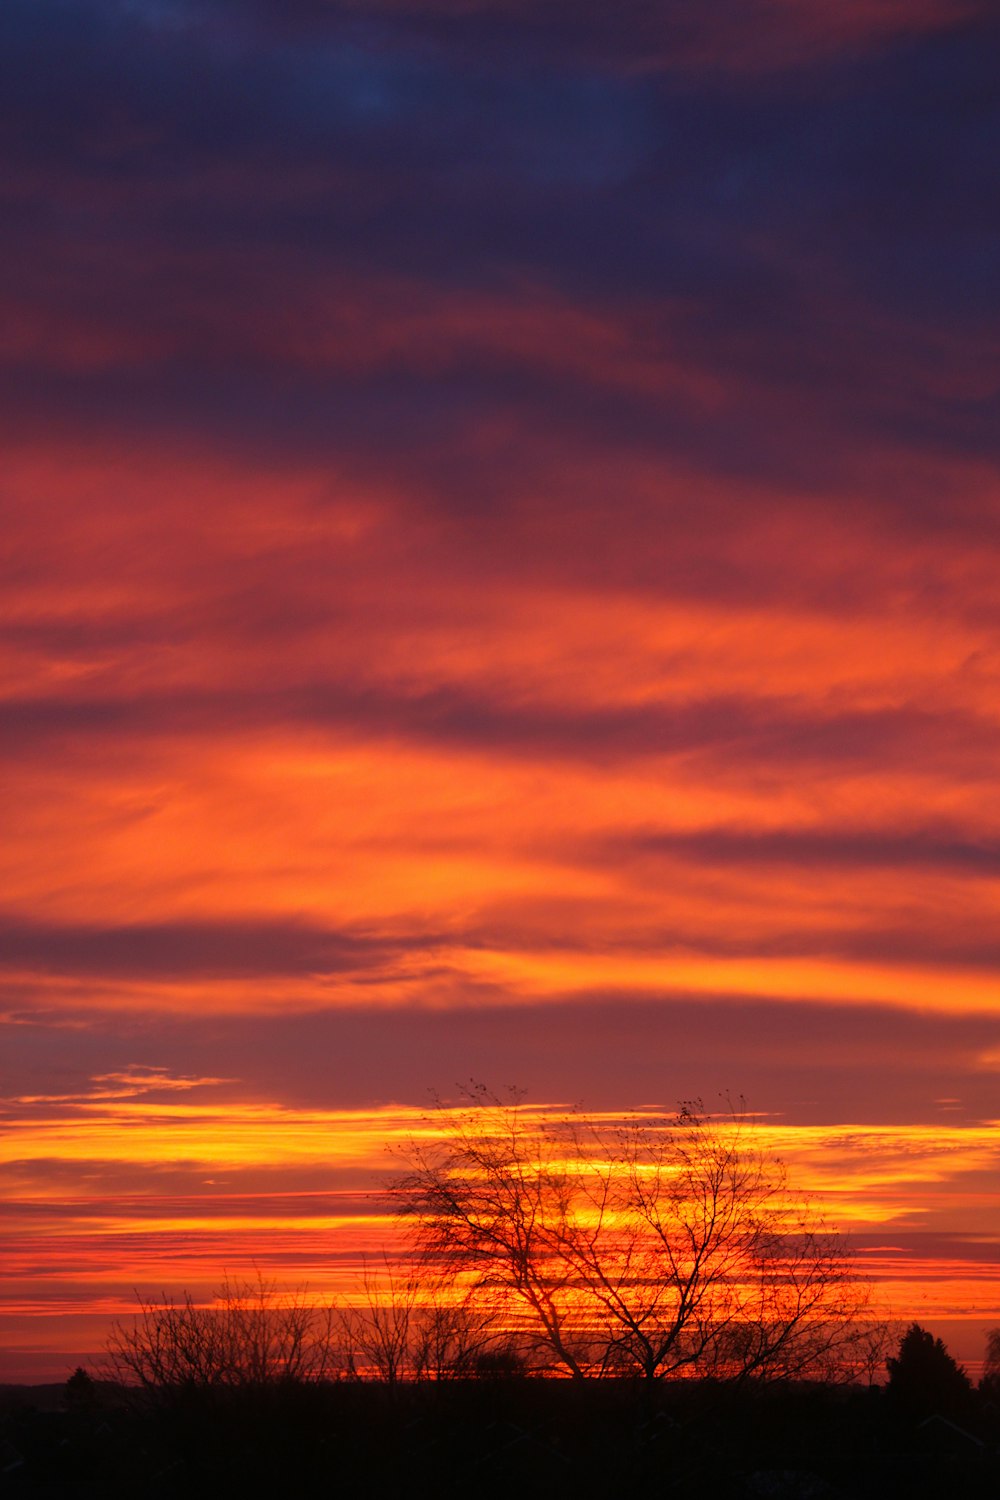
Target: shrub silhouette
(253,1334)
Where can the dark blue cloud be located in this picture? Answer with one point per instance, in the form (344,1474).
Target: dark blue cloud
(207,949)
(859,849)
(738,731)
(824,242)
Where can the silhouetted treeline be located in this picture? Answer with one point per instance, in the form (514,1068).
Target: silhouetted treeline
(495,1437)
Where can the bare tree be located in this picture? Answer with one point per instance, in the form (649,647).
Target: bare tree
(661,1245)
(252,1334)
(403,1325)
(457,1339)
(491,1203)
(376,1333)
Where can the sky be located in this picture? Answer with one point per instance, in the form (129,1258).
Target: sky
(500,556)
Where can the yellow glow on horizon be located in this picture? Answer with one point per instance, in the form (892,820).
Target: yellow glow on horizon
(213,1211)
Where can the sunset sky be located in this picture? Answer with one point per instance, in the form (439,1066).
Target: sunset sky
(501,579)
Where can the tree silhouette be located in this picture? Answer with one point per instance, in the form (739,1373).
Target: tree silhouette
(252,1334)
(656,1246)
(924,1379)
(79,1392)
(990,1382)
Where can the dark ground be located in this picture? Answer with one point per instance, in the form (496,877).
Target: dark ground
(484,1438)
